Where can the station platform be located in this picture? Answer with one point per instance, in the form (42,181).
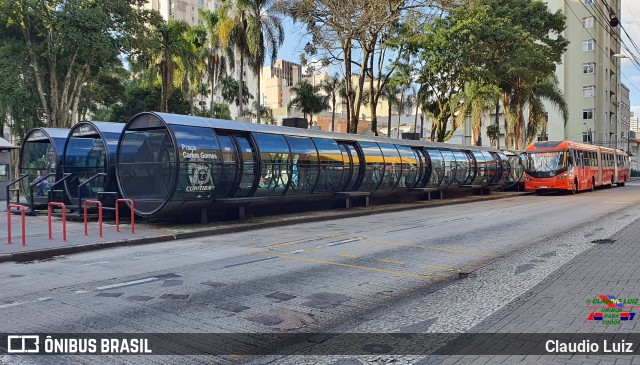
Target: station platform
(40,247)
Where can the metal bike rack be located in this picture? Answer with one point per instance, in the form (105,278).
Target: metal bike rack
(86,204)
(64,219)
(118,201)
(24,223)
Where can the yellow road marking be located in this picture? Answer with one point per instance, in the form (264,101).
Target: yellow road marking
(348,255)
(457,250)
(392,272)
(312,250)
(305,240)
(393,262)
(440,268)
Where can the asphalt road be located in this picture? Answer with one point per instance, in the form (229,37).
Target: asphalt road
(380,273)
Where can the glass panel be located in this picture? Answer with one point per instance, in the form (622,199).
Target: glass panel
(438,170)
(410,167)
(491,167)
(333,170)
(481,167)
(374,164)
(85,157)
(229,171)
(249,157)
(304,158)
(462,167)
(147,167)
(546,164)
(392,167)
(449,167)
(38,159)
(275,164)
(200,163)
(346,173)
(357,171)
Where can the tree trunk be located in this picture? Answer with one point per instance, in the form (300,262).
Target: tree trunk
(259,111)
(241,86)
(372,102)
(421,125)
(400,110)
(415,121)
(333,110)
(389,121)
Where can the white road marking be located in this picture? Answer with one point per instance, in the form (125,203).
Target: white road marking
(294,252)
(127,283)
(9,305)
(344,241)
(96,263)
(81,291)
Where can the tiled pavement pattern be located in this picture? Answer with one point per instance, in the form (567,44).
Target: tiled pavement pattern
(545,288)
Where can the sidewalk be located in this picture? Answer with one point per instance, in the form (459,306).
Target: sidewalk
(39,246)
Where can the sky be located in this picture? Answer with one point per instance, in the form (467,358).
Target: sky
(295,39)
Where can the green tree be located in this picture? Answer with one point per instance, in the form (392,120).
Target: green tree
(166,49)
(219,50)
(265,36)
(68,42)
(475,100)
(331,87)
(308,100)
(229,86)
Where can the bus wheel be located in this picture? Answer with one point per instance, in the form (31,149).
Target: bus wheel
(623,181)
(575,187)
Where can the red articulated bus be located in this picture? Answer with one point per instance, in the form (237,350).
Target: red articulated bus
(571,166)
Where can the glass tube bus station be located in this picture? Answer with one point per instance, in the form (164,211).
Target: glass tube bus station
(172,165)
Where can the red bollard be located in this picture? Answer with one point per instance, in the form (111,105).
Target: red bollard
(24,223)
(64,219)
(118,201)
(99,204)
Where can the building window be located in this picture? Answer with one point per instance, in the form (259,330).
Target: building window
(587,114)
(588,91)
(588,22)
(588,68)
(587,46)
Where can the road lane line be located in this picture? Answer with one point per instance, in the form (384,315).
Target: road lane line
(15,304)
(304,240)
(348,256)
(440,268)
(305,259)
(456,250)
(393,262)
(127,283)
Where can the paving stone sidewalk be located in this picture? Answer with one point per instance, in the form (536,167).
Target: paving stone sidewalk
(558,304)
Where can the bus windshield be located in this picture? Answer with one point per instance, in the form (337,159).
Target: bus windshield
(546,164)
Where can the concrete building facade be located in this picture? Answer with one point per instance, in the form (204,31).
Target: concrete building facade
(589,74)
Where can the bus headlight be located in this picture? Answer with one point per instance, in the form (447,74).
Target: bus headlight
(563,176)
(526,177)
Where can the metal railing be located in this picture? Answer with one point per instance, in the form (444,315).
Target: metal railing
(52,190)
(80,186)
(86,204)
(12,190)
(131,207)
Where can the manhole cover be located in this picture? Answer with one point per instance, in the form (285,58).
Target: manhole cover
(603,241)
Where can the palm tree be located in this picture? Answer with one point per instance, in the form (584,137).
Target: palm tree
(476,98)
(169,45)
(228,87)
(308,100)
(190,66)
(219,50)
(331,88)
(390,93)
(544,90)
(264,35)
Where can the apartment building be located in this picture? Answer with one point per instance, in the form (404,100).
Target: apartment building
(589,75)
(185,10)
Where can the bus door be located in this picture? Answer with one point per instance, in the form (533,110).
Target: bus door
(248,176)
(358,165)
(614,179)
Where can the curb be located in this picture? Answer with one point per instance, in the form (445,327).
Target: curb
(244,227)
